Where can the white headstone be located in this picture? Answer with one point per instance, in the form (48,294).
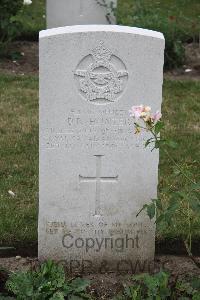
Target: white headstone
(80,12)
(95,175)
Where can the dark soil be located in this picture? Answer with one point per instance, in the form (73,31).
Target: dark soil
(30,249)
(166,247)
(107,285)
(28,63)
(191,69)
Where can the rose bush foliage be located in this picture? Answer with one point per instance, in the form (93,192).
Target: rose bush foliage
(10,25)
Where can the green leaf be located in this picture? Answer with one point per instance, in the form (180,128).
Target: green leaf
(160,219)
(158,203)
(195,186)
(195,204)
(169,212)
(159,125)
(149,141)
(143,208)
(173,208)
(74,297)
(178,195)
(157,144)
(176,171)
(171,144)
(196,296)
(195,283)
(80,284)
(139,276)
(2,297)
(174,200)
(58,296)
(151,210)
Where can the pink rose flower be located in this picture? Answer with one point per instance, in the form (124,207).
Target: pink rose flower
(157,116)
(136,111)
(147,108)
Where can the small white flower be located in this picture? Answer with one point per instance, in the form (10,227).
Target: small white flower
(11,193)
(44,16)
(27,2)
(188,70)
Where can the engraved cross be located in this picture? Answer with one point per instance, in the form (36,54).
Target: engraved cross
(98,179)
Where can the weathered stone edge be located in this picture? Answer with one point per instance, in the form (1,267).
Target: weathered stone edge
(97,28)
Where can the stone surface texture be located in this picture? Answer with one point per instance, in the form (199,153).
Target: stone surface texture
(95,174)
(80,12)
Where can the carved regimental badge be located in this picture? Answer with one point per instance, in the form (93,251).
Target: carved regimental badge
(101,76)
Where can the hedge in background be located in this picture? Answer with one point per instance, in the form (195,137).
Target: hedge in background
(9,25)
(171,21)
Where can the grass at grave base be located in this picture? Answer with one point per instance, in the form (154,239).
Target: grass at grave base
(181,107)
(19,151)
(18,159)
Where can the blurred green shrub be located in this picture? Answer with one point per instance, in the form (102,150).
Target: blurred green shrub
(135,13)
(10,26)
(33,18)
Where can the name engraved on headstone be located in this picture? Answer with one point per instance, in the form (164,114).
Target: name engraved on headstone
(87,129)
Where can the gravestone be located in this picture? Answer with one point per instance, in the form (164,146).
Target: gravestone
(79,12)
(95,174)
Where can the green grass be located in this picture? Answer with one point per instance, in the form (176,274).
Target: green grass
(19,158)
(179,21)
(19,150)
(181,107)
(186,13)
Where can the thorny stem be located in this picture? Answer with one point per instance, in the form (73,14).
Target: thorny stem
(189,227)
(188,240)
(189,237)
(194,259)
(180,169)
(171,158)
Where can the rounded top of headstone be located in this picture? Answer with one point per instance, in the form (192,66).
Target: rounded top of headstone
(97,28)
